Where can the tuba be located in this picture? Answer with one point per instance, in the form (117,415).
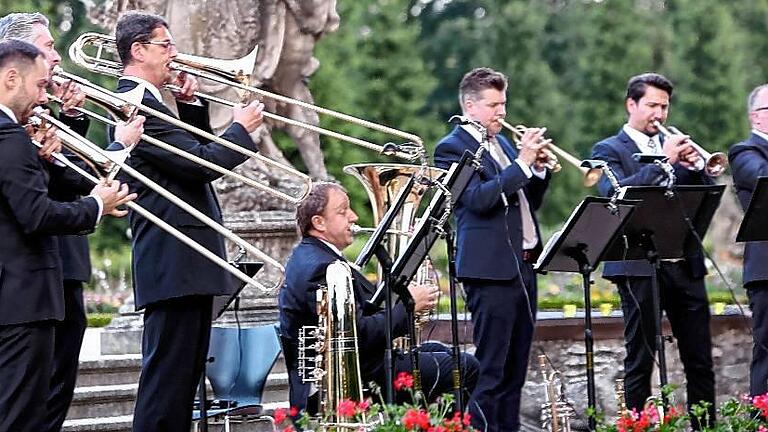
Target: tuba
(383,183)
(328,353)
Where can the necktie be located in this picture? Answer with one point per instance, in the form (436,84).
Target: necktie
(529,229)
(653,147)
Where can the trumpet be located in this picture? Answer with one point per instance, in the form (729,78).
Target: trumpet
(125,106)
(715,163)
(107,163)
(82,146)
(590,175)
(234,73)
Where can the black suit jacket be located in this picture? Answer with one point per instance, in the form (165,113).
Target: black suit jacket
(163,267)
(30,269)
(749,160)
(297,302)
(617,151)
(75,254)
(490,232)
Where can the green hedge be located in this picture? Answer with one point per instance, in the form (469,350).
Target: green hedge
(99,319)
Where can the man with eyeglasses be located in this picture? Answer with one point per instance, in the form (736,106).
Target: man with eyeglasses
(681,282)
(749,161)
(174,284)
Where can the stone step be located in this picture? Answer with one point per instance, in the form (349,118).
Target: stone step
(123,423)
(119,399)
(109,370)
(99,424)
(103,401)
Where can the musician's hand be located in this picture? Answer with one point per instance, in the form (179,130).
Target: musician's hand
(676,146)
(249,116)
(71,95)
(531,144)
(690,159)
(130,133)
(113,195)
(188,85)
(424,296)
(541,161)
(51,143)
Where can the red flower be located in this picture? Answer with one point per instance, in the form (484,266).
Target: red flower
(672,414)
(467,419)
(346,408)
(761,402)
(416,420)
(437,429)
(280,416)
(403,380)
(293,412)
(364,405)
(289,428)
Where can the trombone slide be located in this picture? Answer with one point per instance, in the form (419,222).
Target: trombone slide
(234,271)
(175,200)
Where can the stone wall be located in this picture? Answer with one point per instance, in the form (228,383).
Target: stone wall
(562,340)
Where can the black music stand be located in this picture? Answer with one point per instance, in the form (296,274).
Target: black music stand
(661,228)
(579,248)
(753,226)
(220,304)
(433,224)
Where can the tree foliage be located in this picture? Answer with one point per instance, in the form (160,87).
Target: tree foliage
(399,62)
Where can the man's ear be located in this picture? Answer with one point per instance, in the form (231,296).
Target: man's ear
(629,103)
(318,223)
(10,78)
(137,51)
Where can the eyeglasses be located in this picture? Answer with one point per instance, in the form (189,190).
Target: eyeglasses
(165,44)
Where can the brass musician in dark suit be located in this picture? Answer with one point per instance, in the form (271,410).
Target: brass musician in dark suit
(31,297)
(173,283)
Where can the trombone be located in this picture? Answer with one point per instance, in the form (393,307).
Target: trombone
(107,161)
(121,105)
(715,163)
(590,175)
(234,73)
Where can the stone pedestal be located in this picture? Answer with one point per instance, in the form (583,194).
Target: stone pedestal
(273,232)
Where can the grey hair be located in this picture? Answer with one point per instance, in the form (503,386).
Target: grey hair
(753,96)
(18,25)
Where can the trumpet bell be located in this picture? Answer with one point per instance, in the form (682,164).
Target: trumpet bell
(716,164)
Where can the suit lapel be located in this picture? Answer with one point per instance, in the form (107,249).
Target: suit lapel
(630,145)
(362,282)
(507,147)
(472,145)
(760,143)
(125,85)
